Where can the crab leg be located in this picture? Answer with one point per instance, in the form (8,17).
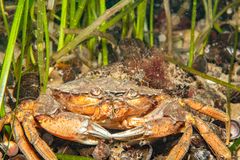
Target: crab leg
(181,148)
(22,142)
(213,140)
(19,136)
(162,109)
(207,110)
(73,127)
(131,133)
(153,129)
(33,137)
(210,111)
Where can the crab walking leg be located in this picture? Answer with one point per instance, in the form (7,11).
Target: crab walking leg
(167,107)
(212,140)
(22,142)
(207,110)
(210,111)
(153,129)
(35,140)
(181,148)
(131,133)
(73,127)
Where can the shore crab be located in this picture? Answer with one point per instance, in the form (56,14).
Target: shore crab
(82,110)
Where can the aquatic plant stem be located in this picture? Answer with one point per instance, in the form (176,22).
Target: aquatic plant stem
(203,75)
(116,18)
(215,6)
(62,24)
(228,108)
(193,22)
(151,17)
(47,48)
(88,30)
(169,25)
(77,16)
(9,51)
(72,11)
(19,70)
(40,41)
(5,21)
(141,12)
(24,42)
(90,18)
(104,41)
(202,36)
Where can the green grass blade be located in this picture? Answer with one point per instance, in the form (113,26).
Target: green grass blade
(40,41)
(47,45)
(141,14)
(87,31)
(151,17)
(71,157)
(77,16)
(203,75)
(5,21)
(205,32)
(62,24)
(24,42)
(72,11)
(9,51)
(104,41)
(119,16)
(79,12)
(193,22)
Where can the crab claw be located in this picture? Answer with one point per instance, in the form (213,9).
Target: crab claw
(99,131)
(131,133)
(152,129)
(73,127)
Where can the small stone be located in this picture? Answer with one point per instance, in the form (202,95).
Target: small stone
(10,147)
(101,151)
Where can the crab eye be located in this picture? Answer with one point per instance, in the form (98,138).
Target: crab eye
(96,91)
(132,93)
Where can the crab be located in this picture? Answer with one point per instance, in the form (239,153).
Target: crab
(83,110)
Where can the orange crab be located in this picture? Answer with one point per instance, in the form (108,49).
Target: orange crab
(80,111)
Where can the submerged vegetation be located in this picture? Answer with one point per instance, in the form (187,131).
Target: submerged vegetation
(36,35)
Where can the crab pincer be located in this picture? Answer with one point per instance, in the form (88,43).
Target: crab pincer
(74,127)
